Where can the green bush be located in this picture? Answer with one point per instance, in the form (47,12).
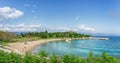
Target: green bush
(71,59)
(42,53)
(54,59)
(44,58)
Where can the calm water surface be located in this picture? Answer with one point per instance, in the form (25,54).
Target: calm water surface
(82,47)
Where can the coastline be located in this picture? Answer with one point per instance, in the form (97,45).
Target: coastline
(22,47)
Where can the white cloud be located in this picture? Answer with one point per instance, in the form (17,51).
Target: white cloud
(9,13)
(36,27)
(77,18)
(63,28)
(20,28)
(0,25)
(85,28)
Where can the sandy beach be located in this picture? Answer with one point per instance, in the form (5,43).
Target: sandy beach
(22,47)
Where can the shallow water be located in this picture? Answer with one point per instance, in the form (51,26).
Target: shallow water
(82,47)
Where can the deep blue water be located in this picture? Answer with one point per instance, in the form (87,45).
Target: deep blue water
(82,47)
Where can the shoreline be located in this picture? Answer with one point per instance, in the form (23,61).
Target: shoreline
(22,47)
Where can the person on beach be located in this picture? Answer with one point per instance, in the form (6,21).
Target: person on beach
(25,43)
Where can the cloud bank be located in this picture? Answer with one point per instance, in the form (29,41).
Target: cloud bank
(20,28)
(9,13)
(37,27)
(85,28)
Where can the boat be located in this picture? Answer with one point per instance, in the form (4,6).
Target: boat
(68,40)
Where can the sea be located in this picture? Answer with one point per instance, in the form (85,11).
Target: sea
(82,47)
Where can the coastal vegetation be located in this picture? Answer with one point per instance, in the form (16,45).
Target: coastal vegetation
(6,37)
(47,35)
(29,36)
(43,57)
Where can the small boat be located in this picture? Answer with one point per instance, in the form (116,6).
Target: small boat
(68,40)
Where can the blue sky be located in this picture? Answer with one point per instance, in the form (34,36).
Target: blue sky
(94,16)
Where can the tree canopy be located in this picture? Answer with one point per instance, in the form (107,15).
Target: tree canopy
(45,34)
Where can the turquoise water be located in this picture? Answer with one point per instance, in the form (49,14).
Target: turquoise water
(82,47)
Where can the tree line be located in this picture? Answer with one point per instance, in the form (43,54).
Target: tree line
(45,34)
(6,37)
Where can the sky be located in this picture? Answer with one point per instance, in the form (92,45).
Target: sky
(89,16)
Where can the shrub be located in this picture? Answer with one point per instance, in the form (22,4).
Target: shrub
(42,53)
(43,58)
